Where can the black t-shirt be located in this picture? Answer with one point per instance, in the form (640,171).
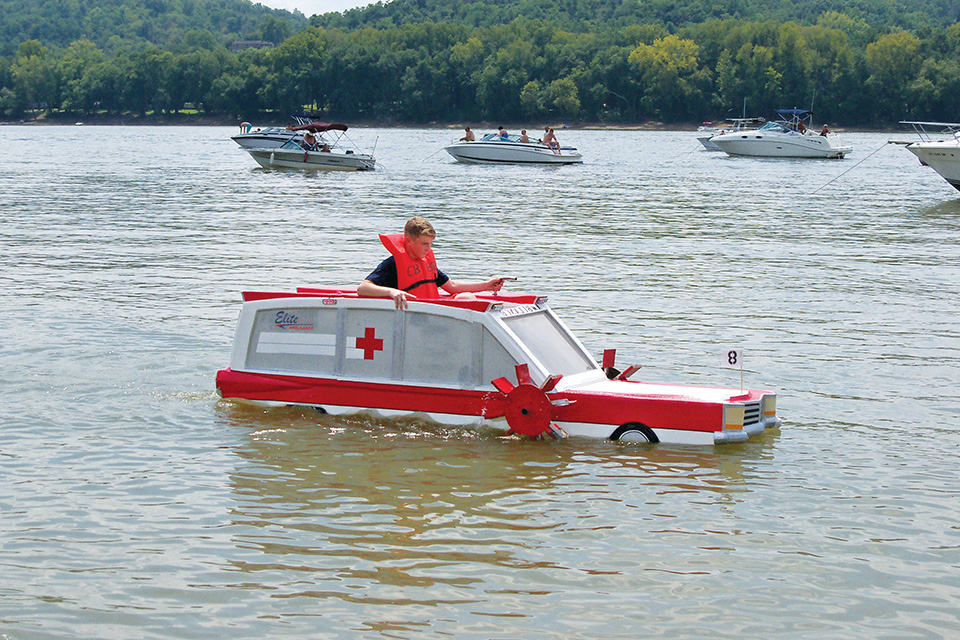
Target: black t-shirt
(385,275)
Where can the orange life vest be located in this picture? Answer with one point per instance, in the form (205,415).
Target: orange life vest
(418,277)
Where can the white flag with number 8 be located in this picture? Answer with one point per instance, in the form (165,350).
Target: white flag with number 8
(733,358)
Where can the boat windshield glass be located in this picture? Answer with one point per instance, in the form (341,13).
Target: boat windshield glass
(774,126)
(550,343)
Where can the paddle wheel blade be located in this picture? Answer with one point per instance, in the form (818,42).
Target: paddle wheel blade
(523,374)
(503,385)
(556,432)
(629,371)
(550,383)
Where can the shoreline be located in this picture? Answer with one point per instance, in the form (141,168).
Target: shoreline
(227,121)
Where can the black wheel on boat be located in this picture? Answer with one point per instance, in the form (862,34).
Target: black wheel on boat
(634,432)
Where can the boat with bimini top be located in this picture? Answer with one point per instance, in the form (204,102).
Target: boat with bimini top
(319,146)
(501,360)
(939,151)
(789,137)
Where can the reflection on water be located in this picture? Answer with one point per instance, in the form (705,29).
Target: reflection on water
(357,507)
(136,504)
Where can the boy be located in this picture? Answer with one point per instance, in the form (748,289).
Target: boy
(411,270)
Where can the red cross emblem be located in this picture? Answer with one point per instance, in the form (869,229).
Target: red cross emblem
(369,343)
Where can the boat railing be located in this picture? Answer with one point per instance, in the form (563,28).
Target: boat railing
(945,128)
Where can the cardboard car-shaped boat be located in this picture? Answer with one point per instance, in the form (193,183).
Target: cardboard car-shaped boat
(502,360)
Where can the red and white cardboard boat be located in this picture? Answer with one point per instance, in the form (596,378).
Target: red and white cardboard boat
(502,360)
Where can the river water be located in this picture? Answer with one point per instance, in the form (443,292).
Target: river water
(136,504)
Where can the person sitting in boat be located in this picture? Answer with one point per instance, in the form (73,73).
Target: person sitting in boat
(802,128)
(825,130)
(468,136)
(502,133)
(550,139)
(523,136)
(417,275)
(309,141)
(325,148)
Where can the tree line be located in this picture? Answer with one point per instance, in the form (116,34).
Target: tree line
(527,70)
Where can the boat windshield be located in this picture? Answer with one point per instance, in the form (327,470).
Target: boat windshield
(550,343)
(775,126)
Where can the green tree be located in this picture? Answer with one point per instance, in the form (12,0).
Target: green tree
(893,64)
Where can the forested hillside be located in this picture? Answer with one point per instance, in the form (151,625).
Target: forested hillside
(854,73)
(591,15)
(111,24)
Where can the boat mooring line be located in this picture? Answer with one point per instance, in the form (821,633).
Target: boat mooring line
(853,167)
(432,154)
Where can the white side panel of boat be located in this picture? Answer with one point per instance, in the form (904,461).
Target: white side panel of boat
(511,153)
(780,146)
(942,157)
(292,159)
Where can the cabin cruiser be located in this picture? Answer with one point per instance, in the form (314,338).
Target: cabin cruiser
(250,138)
(708,130)
(492,149)
(789,137)
(502,360)
(311,149)
(941,154)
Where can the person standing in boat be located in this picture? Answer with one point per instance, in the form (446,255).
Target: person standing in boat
(411,270)
(502,133)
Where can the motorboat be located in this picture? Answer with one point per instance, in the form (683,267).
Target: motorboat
(267,137)
(789,137)
(941,154)
(311,149)
(503,360)
(492,149)
(707,130)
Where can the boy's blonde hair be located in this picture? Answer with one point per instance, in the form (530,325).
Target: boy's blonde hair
(417,226)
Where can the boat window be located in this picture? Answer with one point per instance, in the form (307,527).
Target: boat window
(368,343)
(550,343)
(497,363)
(440,349)
(293,339)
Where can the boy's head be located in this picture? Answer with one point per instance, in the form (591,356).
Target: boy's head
(417,226)
(419,235)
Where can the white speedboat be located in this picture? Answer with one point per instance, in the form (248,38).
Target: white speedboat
(789,137)
(250,138)
(491,149)
(708,130)
(942,154)
(309,149)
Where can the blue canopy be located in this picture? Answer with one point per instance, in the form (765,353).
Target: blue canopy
(799,113)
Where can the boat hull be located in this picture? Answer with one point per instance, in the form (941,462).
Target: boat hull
(587,413)
(942,157)
(312,160)
(775,145)
(708,143)
(496,152)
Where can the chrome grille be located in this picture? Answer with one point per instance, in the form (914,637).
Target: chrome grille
(751,413)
